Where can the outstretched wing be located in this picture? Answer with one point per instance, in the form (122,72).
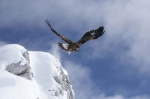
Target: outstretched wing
(93,34)
(61,36)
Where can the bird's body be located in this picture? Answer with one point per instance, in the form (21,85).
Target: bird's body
(74,46)
(69,47)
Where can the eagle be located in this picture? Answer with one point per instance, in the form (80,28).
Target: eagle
(71,46)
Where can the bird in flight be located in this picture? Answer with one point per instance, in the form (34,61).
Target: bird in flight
(71,46)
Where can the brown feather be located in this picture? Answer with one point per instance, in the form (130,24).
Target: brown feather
(93,34)
(90,35)
(61,36)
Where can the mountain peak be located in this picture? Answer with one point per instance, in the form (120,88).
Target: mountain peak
(32,75)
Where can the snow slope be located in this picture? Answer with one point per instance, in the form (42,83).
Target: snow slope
(32,75)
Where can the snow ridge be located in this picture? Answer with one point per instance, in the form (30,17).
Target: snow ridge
(15,59)
(32,75)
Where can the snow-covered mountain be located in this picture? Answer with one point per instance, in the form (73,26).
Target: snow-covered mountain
(32,75)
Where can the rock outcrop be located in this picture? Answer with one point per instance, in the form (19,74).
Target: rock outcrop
(32,75)
(15,59)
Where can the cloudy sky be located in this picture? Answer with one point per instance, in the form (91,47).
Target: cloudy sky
(116,66)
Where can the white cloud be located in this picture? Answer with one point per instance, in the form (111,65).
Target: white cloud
(82,82)
(126,23)
(127,32)
(85,88)
(141,97)
(55,51)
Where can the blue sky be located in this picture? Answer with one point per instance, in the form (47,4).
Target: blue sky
(116,66)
